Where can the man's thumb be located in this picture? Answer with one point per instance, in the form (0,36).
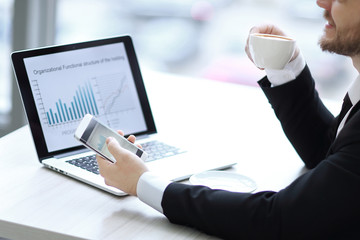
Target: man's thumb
(114,148)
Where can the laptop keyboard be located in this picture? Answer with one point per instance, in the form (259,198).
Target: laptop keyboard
(155,150)
(158,150)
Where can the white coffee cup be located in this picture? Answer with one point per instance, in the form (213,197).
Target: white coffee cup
(271,51)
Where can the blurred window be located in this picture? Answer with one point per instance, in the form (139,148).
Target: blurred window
(204,38)
(5,70)
(198,38)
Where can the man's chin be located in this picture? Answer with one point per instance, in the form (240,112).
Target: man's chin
(328,41)
(324,41)
(326,45)
(329,35)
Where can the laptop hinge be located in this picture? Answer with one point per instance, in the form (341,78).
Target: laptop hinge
(62,155)
(143,136)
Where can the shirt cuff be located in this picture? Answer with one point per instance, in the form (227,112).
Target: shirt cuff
(150,190)
(291,71)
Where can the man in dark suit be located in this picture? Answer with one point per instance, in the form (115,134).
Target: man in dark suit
(324,203)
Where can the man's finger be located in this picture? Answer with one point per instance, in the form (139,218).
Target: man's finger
(254,29)
(115,149)
(131,138)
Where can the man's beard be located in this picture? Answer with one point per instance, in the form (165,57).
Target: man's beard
(346,41)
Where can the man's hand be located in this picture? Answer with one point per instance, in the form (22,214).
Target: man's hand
(125,173)
(267,29)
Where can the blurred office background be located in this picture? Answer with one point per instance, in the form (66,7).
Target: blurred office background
(197,38)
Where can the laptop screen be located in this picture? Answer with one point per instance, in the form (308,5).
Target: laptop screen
(97,79)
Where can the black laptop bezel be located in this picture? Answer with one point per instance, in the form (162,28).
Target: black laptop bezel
(29,102)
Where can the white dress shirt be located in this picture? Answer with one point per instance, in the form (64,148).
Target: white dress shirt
(151,188)
(354,95)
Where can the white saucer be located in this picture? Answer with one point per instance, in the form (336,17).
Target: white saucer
(224,180)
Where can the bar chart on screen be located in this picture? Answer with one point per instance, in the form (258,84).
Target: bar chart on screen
(103,96)
(70,104)
(83,102)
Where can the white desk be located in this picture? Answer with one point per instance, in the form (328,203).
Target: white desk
(37,203)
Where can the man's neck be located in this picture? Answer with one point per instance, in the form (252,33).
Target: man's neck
(356,62)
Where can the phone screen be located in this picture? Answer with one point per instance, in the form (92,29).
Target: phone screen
(97,140)
(95,137)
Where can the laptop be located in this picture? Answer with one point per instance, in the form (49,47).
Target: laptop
(60,84)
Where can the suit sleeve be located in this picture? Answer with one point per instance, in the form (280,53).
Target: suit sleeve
(307,123)
(321,204)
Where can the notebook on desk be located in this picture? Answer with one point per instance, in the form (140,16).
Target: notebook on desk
(60,84)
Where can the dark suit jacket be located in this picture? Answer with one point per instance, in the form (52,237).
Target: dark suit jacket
(324,203)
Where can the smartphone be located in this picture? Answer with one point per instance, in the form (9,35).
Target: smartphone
(93,135)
